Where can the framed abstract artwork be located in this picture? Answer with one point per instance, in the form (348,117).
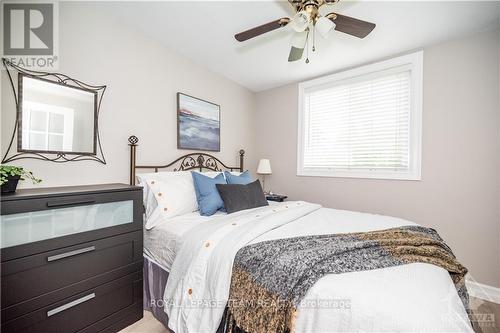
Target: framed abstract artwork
(198,124)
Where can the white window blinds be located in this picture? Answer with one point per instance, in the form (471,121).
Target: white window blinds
(359,125)
(362,125)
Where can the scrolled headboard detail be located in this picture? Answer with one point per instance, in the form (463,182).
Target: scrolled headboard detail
(193,161)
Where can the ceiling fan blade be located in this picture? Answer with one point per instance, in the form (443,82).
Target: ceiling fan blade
(350,25)
(295,54)
(261,29)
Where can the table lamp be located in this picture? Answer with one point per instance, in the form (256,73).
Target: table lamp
(264,169)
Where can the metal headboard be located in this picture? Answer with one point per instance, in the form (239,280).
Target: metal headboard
(192,161)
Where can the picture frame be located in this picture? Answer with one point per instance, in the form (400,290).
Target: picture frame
(198,124)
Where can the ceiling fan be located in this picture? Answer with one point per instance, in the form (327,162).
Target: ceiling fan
(306,20)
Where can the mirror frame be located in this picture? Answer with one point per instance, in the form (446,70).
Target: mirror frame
(52,156)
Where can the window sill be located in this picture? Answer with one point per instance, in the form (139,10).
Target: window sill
(361,175)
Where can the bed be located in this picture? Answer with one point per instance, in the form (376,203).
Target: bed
(189,258)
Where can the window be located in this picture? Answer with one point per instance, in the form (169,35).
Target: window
(363,123)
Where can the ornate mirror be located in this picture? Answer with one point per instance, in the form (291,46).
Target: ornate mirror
(57,117)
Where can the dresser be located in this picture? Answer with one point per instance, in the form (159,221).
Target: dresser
(71,259)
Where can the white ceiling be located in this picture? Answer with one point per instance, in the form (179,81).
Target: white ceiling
(203,31)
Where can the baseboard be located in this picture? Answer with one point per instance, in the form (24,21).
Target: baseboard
(483,291)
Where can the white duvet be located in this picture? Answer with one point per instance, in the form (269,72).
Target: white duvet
(162,242)
(407,298)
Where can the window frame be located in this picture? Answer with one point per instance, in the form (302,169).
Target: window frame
(413,62)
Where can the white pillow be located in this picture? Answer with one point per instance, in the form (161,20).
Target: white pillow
(149,200)
(175,195)
(167,194)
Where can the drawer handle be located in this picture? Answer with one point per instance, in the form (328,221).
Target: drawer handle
(71,253)
(64,203)
(70,304)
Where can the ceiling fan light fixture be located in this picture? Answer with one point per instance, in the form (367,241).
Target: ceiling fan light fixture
(300,21)
(324,25)
(298,43)
(299,40)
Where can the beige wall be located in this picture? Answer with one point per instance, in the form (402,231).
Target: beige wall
(498,107)
(142,78)
(459,192)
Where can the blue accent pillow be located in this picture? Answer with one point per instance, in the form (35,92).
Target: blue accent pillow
(209,200)
(243,179)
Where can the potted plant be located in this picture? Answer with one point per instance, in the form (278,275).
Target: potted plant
(10,176)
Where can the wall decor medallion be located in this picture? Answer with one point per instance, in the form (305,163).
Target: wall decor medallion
(198,124)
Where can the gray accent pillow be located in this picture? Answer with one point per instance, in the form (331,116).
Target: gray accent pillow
(238,197)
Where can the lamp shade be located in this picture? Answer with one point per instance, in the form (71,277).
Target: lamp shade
(264,167)
(300,21)
(299,40)
(324,25)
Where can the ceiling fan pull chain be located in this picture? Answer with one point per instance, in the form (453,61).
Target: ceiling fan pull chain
(307,46)
(314,39)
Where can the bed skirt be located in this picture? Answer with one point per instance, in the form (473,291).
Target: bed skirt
(155,281)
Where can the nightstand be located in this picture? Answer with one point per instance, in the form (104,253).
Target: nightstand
(276,197)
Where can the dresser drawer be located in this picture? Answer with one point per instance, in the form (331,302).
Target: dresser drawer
(89,310)
(33,220)
(29,277)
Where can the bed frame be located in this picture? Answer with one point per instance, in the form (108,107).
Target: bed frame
(193,161)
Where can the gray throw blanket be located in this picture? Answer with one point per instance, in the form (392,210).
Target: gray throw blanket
(270,278)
